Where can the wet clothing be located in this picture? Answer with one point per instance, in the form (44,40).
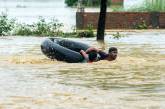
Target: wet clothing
(86,60)
(102,55)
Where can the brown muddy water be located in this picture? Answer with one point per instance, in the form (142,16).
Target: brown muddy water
(136,80)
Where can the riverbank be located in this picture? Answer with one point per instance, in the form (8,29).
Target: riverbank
(110,31)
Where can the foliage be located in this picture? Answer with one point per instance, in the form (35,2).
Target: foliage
(155,5)
(39,28)
(6,24)
(79,34)
(71,2)
(117,9)
(44,28)
(140,25)
(23,30)
(150,6)
(85,2)
(117,35)
(88,32)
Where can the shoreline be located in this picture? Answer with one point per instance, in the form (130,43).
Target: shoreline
(109,31)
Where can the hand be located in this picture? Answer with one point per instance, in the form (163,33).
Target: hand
(83,53)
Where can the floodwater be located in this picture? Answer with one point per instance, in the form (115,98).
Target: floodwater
(29,11)
(136,80)
(29,80)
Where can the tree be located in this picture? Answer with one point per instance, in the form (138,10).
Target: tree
(70,2)
(101,21)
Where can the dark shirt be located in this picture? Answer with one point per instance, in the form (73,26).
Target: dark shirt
(102,55)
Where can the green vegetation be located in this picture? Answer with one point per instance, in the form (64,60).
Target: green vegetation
(147,6)
(6,24)
(40,28)
(117,35)
(150,6)
(85,2)
(155,5)
(88,32)
(79,34)
(141,24)
(71,2)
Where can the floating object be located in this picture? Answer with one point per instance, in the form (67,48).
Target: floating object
(63,49)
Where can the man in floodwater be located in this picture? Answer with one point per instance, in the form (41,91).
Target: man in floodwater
(93,54)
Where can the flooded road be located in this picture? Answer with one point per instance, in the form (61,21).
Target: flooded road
(136,80)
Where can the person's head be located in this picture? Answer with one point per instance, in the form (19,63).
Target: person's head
(92,55)
(112,53)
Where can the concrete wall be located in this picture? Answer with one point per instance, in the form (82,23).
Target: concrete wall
(121,20)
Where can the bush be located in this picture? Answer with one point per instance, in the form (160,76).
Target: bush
(23,30)
(44,28)
(118,35)
(86,34)
(140,25)
(85,2)
(79,34)
(149,6)
(40,28)
(6,25)
(71,2)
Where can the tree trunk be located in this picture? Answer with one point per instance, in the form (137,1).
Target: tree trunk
(102,19)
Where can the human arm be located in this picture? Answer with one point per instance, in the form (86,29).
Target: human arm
(83,53)
(92,49)
(102,54)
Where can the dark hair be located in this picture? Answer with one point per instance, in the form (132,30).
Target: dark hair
(92,55)
(112,49)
